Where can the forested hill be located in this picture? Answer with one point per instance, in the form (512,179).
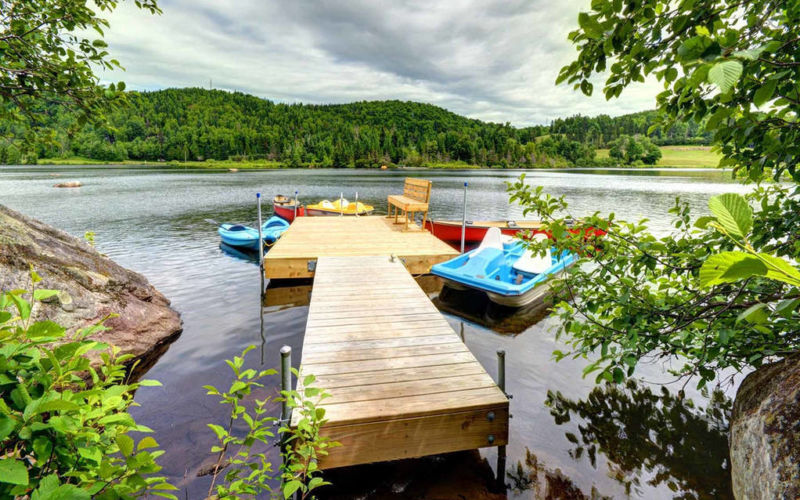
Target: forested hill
(199,124)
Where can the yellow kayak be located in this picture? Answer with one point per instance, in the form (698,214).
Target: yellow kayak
(339,207)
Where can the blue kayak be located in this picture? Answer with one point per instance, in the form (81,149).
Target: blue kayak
(273,228)
(504,269)
(239,236)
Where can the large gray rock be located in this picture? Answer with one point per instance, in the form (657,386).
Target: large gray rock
(92,287)
(765,433)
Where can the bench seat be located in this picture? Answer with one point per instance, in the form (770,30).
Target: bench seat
(415,198)
(407,204)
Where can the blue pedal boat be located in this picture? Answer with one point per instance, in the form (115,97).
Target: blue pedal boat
(239,236)
(508,273)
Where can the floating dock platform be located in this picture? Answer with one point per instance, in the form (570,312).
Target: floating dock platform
(402,382)
(295,254)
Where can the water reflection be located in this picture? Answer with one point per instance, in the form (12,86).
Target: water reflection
(536,478)
(460,475)
(476,307)
(652,438)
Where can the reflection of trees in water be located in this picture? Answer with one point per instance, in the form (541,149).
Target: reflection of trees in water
(546,483)
(680,445)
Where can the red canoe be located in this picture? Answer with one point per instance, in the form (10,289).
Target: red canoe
(450,230)
(283,206)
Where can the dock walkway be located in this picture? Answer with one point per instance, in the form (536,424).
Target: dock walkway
(295,254)
(402,382)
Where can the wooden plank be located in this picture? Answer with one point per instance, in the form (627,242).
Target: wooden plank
(349,336)
(398,439)
(414,406)
(371,365)
(333,381)
(389,322)
(358,345)
(405,388)
(455,345)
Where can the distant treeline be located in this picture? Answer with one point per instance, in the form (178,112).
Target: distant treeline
(198,124)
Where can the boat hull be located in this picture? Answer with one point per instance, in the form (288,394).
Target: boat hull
(320,212)
(449,230)
(244,238)
(492,271)
(287,212)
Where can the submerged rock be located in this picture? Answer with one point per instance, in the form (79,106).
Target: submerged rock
(91,286)
(765,433)
(68,184)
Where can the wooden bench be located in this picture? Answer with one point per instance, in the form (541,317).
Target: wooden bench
(415,198)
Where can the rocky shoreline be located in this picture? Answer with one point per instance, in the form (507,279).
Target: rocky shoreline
(92,286)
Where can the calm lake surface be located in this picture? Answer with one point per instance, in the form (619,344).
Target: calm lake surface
(638,441)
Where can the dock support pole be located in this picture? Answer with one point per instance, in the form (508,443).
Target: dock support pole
(286,380)
(464,219)
(462,333)
(260,236)
(501,450)
(341,208)
(260,244)
(295,206)
(356,203)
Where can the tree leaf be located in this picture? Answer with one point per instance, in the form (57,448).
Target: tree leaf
(45,328)
(732,212)
(146,442)
(702,222)
(42,294)
(590,26)
(727,267)
(749,54)
(57,405)
(764,93)
(786,307)
(290,487)
(725,74)
(756,314)
(125,444)
(13,471)
(780,270)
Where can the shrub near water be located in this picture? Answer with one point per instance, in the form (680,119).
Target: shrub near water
(63,435)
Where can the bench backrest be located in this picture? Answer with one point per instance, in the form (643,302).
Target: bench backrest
(417,189)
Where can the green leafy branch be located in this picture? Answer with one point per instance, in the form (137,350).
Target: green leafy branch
(304,442)
(634,296)
(64,422)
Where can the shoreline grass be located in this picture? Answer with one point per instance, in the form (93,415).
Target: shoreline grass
(689,156)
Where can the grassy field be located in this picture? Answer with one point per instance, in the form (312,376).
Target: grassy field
(682,156)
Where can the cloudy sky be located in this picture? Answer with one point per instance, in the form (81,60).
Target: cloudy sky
(494,60)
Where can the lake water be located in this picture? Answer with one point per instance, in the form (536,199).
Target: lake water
(639,441)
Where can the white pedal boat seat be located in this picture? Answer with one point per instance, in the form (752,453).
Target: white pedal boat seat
(531,263)
(493,239)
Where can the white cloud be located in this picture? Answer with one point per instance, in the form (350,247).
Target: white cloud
(489,59)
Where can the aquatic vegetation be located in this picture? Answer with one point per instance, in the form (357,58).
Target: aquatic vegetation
(65,430)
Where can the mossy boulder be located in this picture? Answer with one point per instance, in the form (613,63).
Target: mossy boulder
(91,287)
(765,433)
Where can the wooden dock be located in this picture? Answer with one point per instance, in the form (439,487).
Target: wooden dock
(309,238)
(402,382)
